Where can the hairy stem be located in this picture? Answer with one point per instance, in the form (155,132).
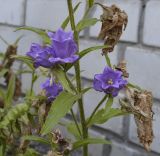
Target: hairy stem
(78,78)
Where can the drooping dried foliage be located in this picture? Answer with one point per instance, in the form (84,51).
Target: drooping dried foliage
(7,63)
(143,101)
(63,146)
(140,104)
(123,68)
(114,21)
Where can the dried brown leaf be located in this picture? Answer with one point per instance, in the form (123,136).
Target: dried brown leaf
(114,21)
(143,101)
(63,146)
(140,104)
(8,61)
(123,68)
(18,90)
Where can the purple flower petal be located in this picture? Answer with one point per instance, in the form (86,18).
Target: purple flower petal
(52,89)
(110,81)
(58,60)
(62,50)
(34,50)
(60,35)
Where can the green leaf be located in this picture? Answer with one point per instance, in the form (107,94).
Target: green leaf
(103,116)
(23,71)
(2,94)
(96,117)
(1,112)
(2,150)
(66,21)
(85,52)
(114,112)
(3,71)
(27,60)
(40,32)
(84,142)
(86,89)
(10,91)
(88,50)
(109,103)
(30,152)
(61,76)
(84,23)
(18,39)
(2,147)
(13,114)
(71,127)
(59,108)
(90,3)
(2,55)
(36,138)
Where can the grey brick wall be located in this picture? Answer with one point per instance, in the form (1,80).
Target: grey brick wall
(139,45)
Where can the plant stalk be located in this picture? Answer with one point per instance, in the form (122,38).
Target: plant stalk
(95,110)
(78,78)
(32,83)
(76,123)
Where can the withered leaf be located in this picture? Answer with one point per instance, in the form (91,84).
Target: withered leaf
(122,67)
(143,100)
(114,21)
(63,146)
(8,61)
(141,106)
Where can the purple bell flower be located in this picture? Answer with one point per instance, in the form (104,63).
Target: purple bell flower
(61,51)
(64,47)
(110,81)
(40,55)
(52,89)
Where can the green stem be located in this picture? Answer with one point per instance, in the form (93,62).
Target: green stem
(78,78)
(134,86)
(95,110)
(86,13)
(108,60)
(71,84)
(76,123)
(109,103)
(32,83)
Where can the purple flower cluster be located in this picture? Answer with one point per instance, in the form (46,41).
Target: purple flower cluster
(110,81)
(52,89)
(62,50)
